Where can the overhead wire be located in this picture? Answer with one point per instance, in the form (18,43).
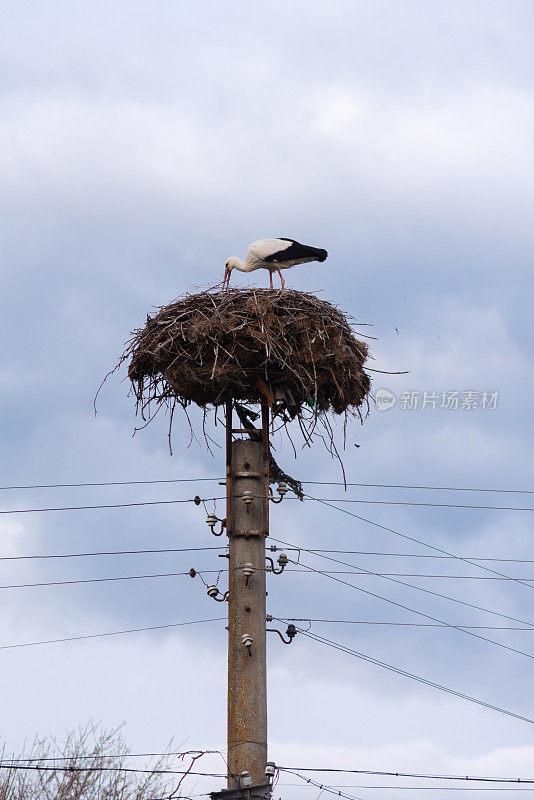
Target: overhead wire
(108,505)
(110,633)
(421,555)
(402,583)
(412,788)
(104,580)
(410,503)
(409,624)
(445,597)
(417,541)
(199,549)
(324,788)
(108,756)
(112,553)
(321,500)
(309,483)
(305,571)
(67,768)
(336,789)
(26,761)
(396,774)
(423,614)
(411,486)
(106,483)
(220,619)
(412,676)
(357,571)
(325,500)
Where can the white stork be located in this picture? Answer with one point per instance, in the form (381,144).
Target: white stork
(273,255)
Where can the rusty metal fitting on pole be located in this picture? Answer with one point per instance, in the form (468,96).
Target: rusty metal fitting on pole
(282,489)
(282,562)
(213,592)
(290,633)
(212,520)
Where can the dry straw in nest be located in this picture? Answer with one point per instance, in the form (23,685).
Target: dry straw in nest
(291,347)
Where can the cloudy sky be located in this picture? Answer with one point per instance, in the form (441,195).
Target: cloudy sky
(141,144)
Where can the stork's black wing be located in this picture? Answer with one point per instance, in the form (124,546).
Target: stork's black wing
(297,250)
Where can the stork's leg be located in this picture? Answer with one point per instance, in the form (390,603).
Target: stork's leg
(271,279)
(281,279)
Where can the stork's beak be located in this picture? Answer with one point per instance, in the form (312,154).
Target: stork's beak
(226,279)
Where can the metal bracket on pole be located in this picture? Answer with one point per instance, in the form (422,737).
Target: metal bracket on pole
(261,791)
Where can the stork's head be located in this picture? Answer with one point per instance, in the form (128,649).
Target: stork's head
(231,263)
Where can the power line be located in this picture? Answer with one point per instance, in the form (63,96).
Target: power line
(422,555)
(108,756)
(124,578)
(151,551)
(417,541)
(107,483)
(67,768)
(429,591)
(325,500)
(358,571)
(14,762)
(426,776)
(418,678)
(407,486)
(104,580)
(409,624)
(199,549)
(402,583)
(408,503)
(336,789)
(408,788)
(107,505)
(218,619)
(111,633)
(324,788)
(307,569)
(113,553)
(309,483)
(422,613)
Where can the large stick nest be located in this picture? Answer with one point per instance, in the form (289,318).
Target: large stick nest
(291,347)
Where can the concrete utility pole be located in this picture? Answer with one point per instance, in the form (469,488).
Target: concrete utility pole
(247,521)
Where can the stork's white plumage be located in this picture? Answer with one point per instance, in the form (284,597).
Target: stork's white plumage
(273,255)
